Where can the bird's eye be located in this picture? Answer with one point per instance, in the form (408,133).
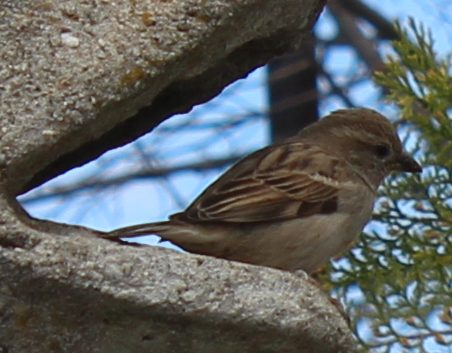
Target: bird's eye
(382,151)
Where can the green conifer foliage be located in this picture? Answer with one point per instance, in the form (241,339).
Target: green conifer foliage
(402,268)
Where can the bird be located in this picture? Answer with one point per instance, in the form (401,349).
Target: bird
(293,205)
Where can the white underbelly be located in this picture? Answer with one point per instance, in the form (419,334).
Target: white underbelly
(306,243)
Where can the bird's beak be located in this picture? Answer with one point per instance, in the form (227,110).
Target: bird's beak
(405,163)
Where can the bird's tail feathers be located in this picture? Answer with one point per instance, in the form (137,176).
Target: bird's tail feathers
(174,231)
(136,230)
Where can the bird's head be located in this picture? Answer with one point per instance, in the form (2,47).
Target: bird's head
(365,139)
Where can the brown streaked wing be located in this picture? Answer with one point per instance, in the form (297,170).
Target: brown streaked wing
(277,183)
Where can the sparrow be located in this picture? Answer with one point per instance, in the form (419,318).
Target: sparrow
(293,205)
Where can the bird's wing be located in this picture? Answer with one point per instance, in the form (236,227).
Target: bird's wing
(280,182)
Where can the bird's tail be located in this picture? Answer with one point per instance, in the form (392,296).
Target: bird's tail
(180,233)
(157,228)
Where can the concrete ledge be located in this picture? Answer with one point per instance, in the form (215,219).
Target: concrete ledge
(79,78)
(79,294)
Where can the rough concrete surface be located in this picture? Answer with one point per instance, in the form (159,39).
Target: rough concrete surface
(80,77)
(74,294)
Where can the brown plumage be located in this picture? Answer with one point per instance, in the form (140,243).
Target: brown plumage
(295,204)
